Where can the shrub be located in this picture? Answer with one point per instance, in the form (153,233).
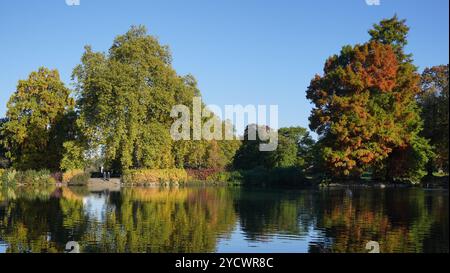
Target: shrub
(8,177)
(261,176)
(80,179)
(287,177)
(150,176)
(68,175)
(201,174)
(2,172)
(278,176)
(32,177)
(226,177)
(58,176)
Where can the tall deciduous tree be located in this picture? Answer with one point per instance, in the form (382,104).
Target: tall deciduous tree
(125,98)
(249,155)
(4,161)
(434,102)
(293,150)
(365,109)
(35,129)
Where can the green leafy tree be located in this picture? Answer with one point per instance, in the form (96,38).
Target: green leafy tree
(293,150)
(216,157)
(125,98)
(394,32)
(74,156)
(285,155)
(34,132)
(434,102)
(156,151)
(249,156)
(4,161)
(228,147)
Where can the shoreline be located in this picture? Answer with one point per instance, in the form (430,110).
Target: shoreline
(116,184)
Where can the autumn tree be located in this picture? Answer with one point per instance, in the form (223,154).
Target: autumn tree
(36,128)
(409,160)
(434,102)
(365,109)
(394,32)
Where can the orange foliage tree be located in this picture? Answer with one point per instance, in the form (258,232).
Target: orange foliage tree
(366,114)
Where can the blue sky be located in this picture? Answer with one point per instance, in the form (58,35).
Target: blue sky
(240,51)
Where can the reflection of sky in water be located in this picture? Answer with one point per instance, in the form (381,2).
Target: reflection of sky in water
(95,206)
(3,247)
(255,222)
(239,242)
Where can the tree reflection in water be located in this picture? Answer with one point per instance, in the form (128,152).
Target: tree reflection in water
(199,219)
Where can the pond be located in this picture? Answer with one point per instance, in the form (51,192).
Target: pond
(224,219)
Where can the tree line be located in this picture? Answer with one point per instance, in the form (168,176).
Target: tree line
(372,111)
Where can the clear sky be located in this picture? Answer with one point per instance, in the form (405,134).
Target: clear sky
(240,51)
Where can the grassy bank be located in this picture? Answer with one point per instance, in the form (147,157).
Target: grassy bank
(278,177)
(178,177)
(75,178)
(11,177)
(30,177)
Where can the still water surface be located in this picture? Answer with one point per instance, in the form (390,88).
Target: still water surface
(223,219)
